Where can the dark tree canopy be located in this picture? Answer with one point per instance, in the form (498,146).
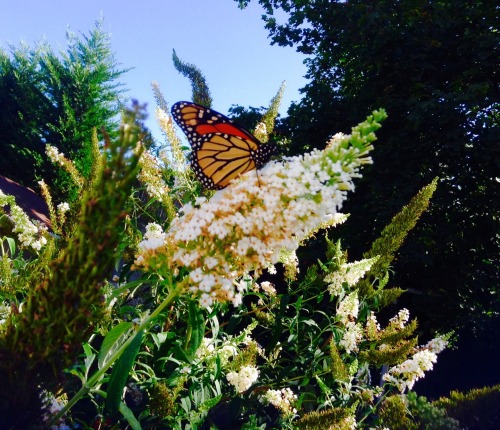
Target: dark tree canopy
(434,67)
(55,99)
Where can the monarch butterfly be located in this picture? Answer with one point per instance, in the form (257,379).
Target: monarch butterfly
(221,150)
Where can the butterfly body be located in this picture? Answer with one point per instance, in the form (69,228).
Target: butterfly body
(222,150)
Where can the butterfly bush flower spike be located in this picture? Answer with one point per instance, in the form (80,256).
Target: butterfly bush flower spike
(282,400)
(30,235)
(349,273)
(245,226)
(404,375)
(243,379)
(58,158)
(150,175)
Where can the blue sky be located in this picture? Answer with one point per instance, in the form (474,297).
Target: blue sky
(229,45)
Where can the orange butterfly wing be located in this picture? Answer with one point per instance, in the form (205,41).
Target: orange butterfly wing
(221,150)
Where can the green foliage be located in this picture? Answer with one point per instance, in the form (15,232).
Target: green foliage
(394,414)
(434,67)
(301,352)
(120,373)
(396,345)
(329,419)
(57,100)
(313,350)
(201,93)
(477,409)
(339,369)
(63,307)
(390,240)
(429,415)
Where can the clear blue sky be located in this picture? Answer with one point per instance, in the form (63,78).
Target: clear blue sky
(229,45)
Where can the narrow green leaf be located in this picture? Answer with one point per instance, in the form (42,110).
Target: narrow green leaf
(112,341)
(180,354)
(120,373)
(197,326)
(128,286)
(278,324)
(12,245)
(129,416)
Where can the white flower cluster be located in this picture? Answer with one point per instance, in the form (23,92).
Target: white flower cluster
(206,348)
(405,375)
(337,139)
(281,399)
(349,273)
(154,237)
(245,226)
(260,132)
(55,156)
(243,379)
(208,351)
(62,208)
(28,234)
(348,308)
(401,318)
(353,334)
(349,422)
(437,345)
(372,327)
(268,288)
(151,176)
(58,158)
(174,156)
(5,311)
(347,313)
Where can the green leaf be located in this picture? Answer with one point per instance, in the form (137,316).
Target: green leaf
(197,327)
(129,416)
(112,341)
(12,245)
(120,373)
(180,354)
(120,290)
(89,358)
(160,338)
(278,325)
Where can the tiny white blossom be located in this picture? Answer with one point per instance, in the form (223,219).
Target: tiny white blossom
(206,300)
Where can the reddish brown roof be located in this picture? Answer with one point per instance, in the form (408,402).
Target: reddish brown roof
(34,206)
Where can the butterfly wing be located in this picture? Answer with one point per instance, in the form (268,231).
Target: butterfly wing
(221,150)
